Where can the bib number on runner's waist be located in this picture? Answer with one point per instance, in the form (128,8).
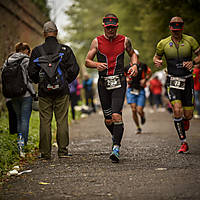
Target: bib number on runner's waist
(177,83)
(112,82)
(135,91)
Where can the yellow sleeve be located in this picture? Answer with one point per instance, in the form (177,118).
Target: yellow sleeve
(160,48)
(194,43)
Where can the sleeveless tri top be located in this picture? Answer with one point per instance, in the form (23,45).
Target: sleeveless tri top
(112,53)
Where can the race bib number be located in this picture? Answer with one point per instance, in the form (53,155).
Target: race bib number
(177,83)
(112,82)
(135,91)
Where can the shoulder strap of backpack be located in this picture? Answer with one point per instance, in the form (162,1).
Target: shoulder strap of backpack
(20,61)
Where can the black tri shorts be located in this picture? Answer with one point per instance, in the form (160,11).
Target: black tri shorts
(111,100)
(186,96)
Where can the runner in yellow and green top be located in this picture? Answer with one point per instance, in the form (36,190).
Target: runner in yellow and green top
(178,50)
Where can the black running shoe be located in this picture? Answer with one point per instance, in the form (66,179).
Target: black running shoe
(143,120)
(138,131)
(44,157)
(66,155)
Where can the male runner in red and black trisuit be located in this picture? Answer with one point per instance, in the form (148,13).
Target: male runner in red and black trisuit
(178,49)
(110,49)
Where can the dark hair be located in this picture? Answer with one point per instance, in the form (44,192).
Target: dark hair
(21,46)
(110,15)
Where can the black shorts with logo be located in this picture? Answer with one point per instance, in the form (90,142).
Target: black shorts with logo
(111,100)
(186,96)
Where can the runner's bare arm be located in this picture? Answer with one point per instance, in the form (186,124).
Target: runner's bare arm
(133,57)
(157,60)
(189,64)
(90,56)
(197,58)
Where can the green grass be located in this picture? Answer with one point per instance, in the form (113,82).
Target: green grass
(8,146)
(8,143)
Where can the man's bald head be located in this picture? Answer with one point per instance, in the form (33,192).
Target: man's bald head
(176,19)
(176,24)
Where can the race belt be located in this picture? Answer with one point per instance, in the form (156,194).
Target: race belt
(135,91)
(178,82)
(112,82)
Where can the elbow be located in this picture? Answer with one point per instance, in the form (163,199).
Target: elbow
(86,63)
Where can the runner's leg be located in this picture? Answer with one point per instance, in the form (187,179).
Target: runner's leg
(134,114)
(105,99)
(178,120)
(118,96)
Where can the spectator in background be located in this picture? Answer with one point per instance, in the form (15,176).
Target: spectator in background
(53,100)
(74,88)
(150,98)
(78,89)
(196,77)
(12,117)
(89,92)
(156,89)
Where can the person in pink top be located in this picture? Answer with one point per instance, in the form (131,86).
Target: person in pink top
(196,77)
(156,88)
(78,88)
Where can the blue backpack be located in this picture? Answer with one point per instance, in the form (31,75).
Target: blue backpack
(51,78)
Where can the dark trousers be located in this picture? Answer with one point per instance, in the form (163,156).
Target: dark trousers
(157,100)
(74,102)
(89,99)
(12,118)
(59,106)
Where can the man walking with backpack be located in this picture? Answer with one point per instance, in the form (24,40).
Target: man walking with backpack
(53,66)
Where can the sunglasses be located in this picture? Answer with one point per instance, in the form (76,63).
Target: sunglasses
(176,26)
(111,27)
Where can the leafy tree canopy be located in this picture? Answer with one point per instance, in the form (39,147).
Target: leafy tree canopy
(42,5)
(145,22)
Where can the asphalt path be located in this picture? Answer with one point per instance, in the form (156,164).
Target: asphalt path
(149,167)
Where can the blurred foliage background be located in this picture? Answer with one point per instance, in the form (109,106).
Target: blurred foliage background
(145,22)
